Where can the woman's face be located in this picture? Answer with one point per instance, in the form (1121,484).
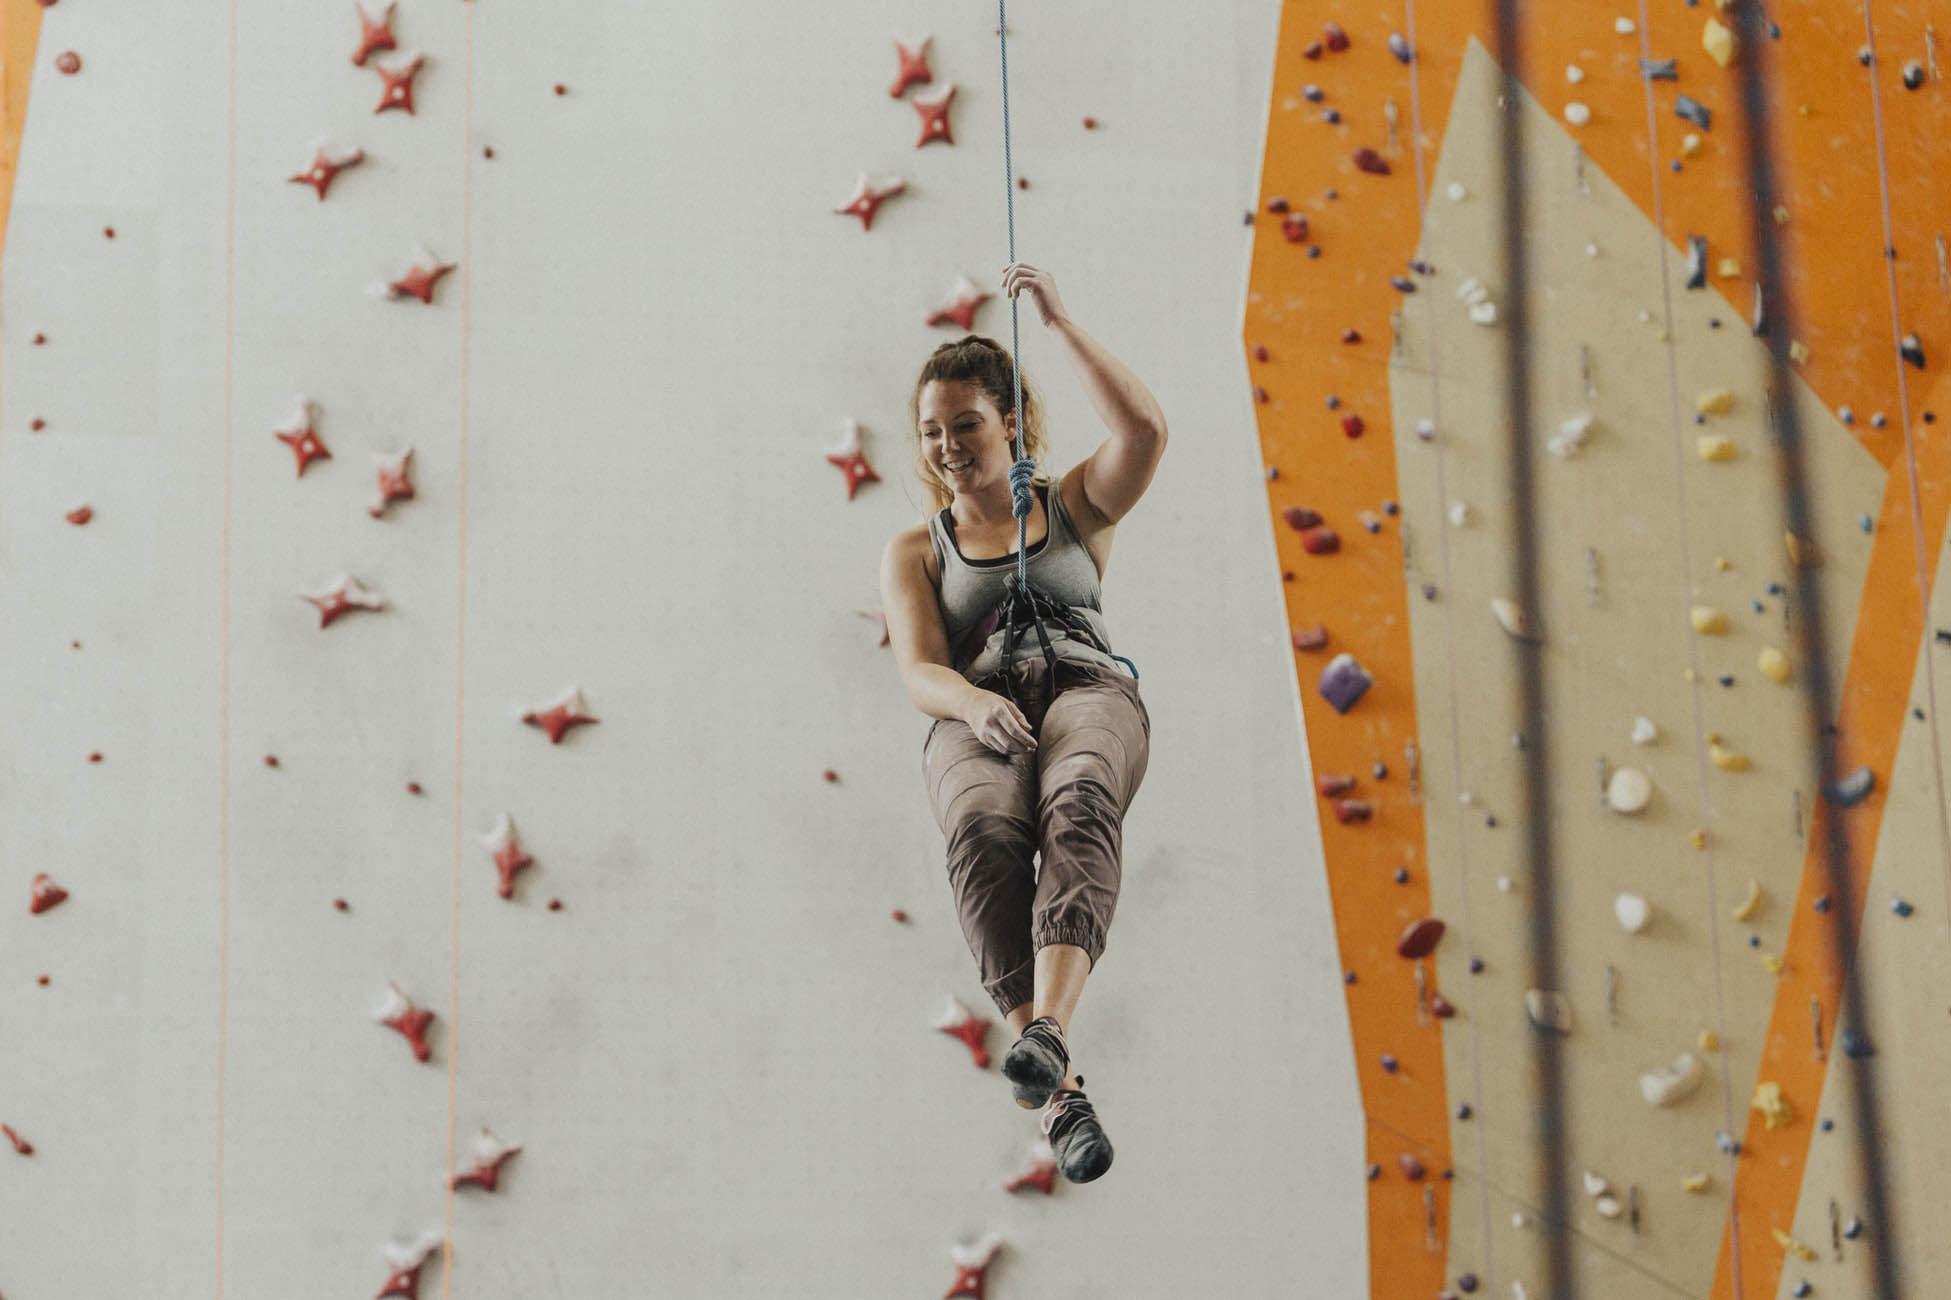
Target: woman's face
(963,436)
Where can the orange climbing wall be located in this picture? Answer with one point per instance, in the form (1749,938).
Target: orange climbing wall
(20,33)
(1297,309)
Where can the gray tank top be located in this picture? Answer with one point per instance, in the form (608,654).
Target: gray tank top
(972,592)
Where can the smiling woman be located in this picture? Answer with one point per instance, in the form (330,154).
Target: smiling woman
(1037,752)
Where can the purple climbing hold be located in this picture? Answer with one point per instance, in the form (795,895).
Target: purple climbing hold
(1696,261)
(1389,1063)
(1467,1283)
(1693,110)
(1343,682)
(1399,47)
(1912,349)
(1848,791)
(1659,69)
(1311,93)
(1402,284)
(1855,1044)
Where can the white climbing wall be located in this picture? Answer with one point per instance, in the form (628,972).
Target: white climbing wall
(718,1056)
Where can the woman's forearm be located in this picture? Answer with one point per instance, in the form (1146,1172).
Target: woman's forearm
(940,691)
(1123,402)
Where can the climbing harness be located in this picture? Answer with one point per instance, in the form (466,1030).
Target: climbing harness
(1023,606)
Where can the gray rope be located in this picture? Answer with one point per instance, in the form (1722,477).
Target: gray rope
(1024,467)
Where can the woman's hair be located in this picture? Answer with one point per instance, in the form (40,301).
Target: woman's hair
(986,364)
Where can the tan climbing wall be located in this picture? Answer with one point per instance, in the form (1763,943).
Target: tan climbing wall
(1635,529)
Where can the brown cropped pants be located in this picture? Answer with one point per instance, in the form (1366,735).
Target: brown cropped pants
(1066,800)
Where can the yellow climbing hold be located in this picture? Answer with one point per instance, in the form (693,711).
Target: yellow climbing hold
(1746,908)
(1798,351)
(1708,621)
(1715,401)
(1781,214)
(1719,42)
(1722,563)
(1772,962)
(1730,268)
(1714,447)
(1726,759)
(1774,665)
(1801,552)
(1789,1243)
(1776,1112)
(1698,839)
(1690,145)
(1709,1041)
(1694,1183)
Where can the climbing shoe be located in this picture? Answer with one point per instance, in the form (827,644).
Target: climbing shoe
(1037,1063)
(1083,1152)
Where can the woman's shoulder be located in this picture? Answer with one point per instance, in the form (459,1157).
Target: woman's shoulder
(915,545)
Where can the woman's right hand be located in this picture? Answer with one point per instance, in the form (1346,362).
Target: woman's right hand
(999,724)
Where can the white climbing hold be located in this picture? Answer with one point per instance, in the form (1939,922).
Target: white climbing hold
(1574,73)
(1472,291)
(1774,665)
(1632,912)
(1484,313)
(1512,618)
(1690,145)
(1644,732)
(1746,907)
(1629,790)
(1456,192)
(1459,514)
(1571,434)
(1426,429)
(1577,113)
(1607,1206)
(1595,1185)
(1673,1084)
(1517,1219)
(1505,884)
(1591,250)
(1548,1010)
(1708,621)
(1624,26)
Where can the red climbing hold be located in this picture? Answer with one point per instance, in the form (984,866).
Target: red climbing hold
(301,437)
(44,893)
(1321,541)
(1294,227)
(1312,50)
(1310,638)
(327,163)
(420,281)
(830,776)
(1040,1173)
(1370,161)
(1336,39)
(394,485)
(1260,352)
(1353,810)
(960,309)
(341,905)
(1420,939)
(848,457)
(1090,124)
(868,196)
(270,760)
(879,617)
(566,712)
(485,1172)
(343,596)
(398,92)
(374,34)
(960,1022)
(1260,395)
(406,1263)
(20,1144)
(914,69)
(398,1012)
(1351,336)
(971,1266)
(1332,785)
(933,108)
(1301,518)
(413,787)
(1440,1007)
(1277,204)
(1412,1168)
(67,62)
(1352,425)
(509,855)
(79,515)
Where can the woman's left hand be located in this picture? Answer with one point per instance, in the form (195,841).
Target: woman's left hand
(1019,277)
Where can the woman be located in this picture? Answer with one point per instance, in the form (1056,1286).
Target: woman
(1043,754)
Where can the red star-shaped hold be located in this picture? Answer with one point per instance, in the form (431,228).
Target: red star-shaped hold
(420,281)
(406,1263)
(399,84)
(398,1012)
(914,67)
(394,485)
(933,108)
(960,309)
(299,435)
(958,1021)
(327,163)
(868,196)
(971,1267)
(509,855)
(877,616)
(567,712)
(1040,1173)
(341,597)
(374,35)
(45,894)
(489,1152)
(851,460)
